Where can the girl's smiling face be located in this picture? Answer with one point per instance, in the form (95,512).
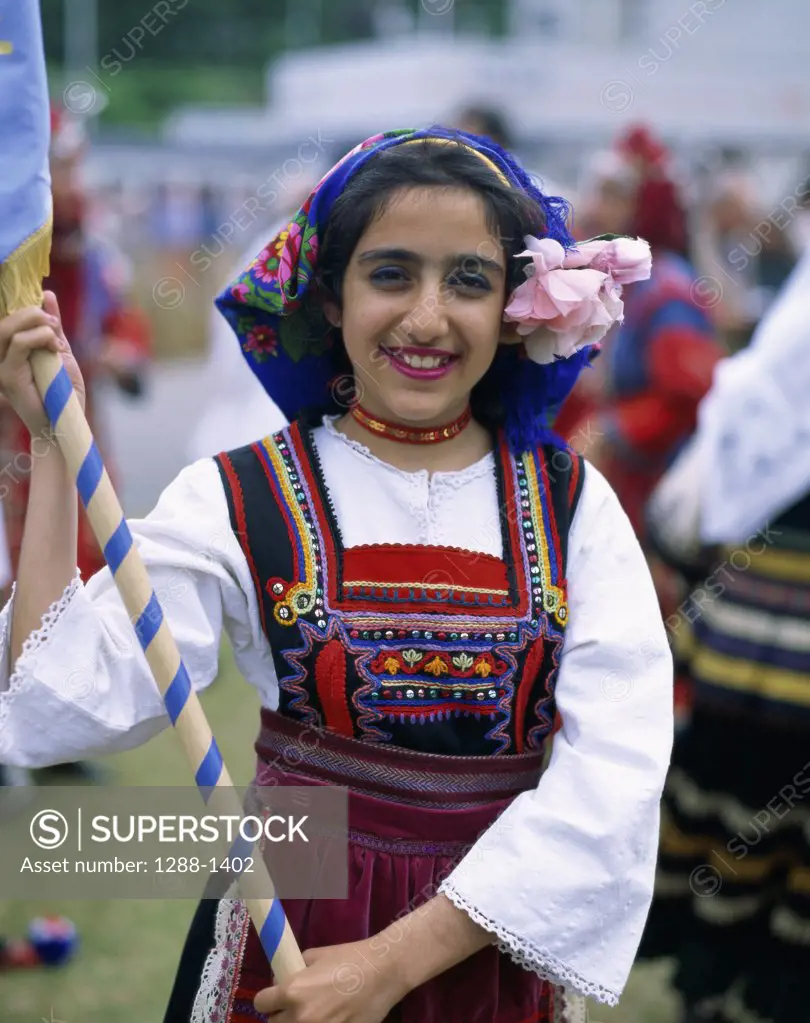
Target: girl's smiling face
(422,305)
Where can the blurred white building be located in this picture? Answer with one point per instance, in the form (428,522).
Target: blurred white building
(712,71)
(569,75)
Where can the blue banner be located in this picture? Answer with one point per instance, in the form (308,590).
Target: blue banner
(25,127)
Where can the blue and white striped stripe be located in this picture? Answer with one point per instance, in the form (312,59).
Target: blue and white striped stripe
(140,599)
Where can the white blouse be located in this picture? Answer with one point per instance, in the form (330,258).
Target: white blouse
(564,877)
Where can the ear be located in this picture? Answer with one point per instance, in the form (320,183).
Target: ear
(331,311)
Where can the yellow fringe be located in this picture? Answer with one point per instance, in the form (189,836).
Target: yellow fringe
(21,275)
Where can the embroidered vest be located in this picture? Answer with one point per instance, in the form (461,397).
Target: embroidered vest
(428,648)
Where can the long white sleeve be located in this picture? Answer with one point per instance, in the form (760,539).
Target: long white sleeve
(564,877)
(82,685)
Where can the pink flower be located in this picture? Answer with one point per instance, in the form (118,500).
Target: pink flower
(626,259)
(572,299)
(261,340)
(288,257)
(240,292)
(565,335)
(551,291)
(261,268)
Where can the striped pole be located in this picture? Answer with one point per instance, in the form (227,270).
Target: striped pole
(182,704)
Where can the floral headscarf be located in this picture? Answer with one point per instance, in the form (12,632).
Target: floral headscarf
(291,348)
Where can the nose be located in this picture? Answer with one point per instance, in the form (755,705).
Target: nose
(427,322)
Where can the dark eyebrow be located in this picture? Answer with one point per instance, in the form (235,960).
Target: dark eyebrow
(461,261)
(466,261)
(401,255)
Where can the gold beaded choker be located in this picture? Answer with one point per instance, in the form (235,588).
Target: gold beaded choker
(411,434)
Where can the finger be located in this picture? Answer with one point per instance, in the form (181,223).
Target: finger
(312,955)
(23,319)
(27,341)
(50,303)
(271,999)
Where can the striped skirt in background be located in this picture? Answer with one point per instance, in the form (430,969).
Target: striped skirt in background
(732,901)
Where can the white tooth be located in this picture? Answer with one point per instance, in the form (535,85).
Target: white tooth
(424,361)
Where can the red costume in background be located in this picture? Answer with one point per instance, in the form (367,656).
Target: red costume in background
(633,413)
(108,335)
(659,363)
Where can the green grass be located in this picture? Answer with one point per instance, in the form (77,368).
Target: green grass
(129,949)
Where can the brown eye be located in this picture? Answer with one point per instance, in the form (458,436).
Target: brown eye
(469,280)
(389,275)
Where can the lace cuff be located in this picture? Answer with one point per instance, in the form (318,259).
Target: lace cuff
(224,961)
(529,956)
(21,679)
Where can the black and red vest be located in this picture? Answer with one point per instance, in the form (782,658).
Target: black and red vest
(429,648)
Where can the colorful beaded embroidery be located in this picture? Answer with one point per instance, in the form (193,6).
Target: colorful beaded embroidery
(388,636)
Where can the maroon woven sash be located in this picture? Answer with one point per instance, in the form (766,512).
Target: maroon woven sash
(389,772)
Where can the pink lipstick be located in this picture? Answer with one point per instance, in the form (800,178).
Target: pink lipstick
(421,363)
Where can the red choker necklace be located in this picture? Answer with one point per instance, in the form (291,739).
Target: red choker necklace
(411,434)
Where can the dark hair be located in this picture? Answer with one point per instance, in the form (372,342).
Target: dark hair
(492,122)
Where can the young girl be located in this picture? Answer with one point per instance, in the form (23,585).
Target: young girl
(421,574)
(661,360)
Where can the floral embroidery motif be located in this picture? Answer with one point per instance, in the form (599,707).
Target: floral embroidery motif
(411,662)
(437,666)
(262,342)
(439,593)
(273,280)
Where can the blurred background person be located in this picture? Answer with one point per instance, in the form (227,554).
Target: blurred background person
(638,405)
(480,119)
(608,183)
(112,340)
(112,334)
(799,228)
(744,248)
(658,364)
(733,891)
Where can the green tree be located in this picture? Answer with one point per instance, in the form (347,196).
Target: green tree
(212,52)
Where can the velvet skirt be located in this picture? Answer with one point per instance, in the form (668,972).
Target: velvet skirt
(412,817)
